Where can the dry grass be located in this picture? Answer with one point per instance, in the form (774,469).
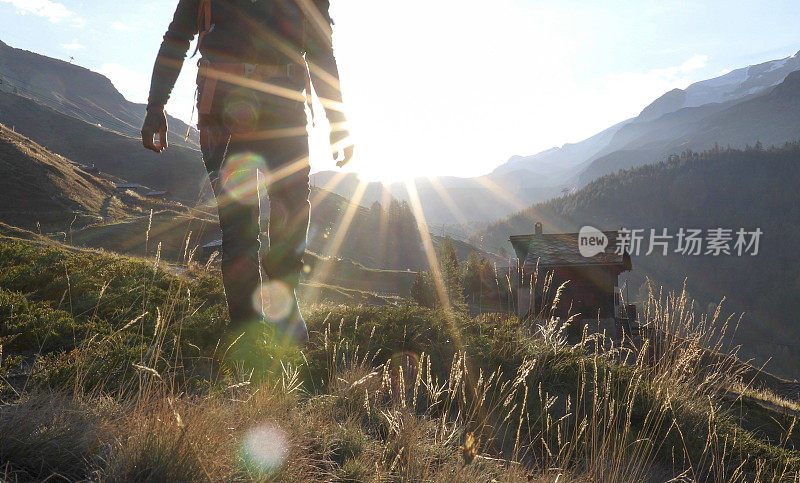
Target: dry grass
(385,394)
(47,434)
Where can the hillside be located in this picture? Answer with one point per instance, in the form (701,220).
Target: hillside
(329,278)
(77,92)
(179,169)
(39,186)
(725,188)
(330,235)
(772,118)
(127,380)
(379,237)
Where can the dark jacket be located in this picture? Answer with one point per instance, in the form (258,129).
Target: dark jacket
(268,32)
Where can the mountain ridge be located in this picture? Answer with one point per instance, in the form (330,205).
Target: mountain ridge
(78,92)
(771,118)
(713,94)
(179,169)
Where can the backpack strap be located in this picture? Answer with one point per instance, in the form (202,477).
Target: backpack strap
(204,24)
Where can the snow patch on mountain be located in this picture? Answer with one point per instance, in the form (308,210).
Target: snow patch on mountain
(734,77)
(737,84)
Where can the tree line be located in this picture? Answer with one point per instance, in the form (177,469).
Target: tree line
(475,284)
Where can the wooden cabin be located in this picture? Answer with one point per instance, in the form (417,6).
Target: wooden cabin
(592,291)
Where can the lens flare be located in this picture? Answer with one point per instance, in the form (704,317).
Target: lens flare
(240,179)
(265,447)
(278,301)
(240,116)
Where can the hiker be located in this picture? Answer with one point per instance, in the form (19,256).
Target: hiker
(259,59)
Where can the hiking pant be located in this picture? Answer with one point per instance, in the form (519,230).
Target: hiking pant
(254,142)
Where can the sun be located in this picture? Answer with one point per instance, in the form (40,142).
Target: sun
(375,160)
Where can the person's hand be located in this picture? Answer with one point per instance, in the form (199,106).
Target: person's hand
(155,122)
(342,147)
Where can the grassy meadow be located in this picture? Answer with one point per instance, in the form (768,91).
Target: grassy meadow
(116,369)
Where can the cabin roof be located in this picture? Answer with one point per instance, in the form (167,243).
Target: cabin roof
(213,244)
(561,250)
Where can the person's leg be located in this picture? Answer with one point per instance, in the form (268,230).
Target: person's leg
(232,175)
(288,222)
(288,188)
(288,230)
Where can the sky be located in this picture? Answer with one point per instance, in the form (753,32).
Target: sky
(454,87)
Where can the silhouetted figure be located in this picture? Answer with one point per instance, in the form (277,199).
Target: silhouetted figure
(258,58)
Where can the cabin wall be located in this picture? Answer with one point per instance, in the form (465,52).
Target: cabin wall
(589,291)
